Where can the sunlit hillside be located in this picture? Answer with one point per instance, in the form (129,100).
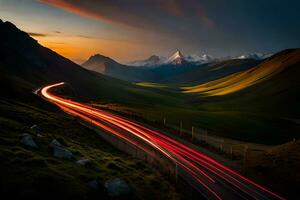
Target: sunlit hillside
(244,79)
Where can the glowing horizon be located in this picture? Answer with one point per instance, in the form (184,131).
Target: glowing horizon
(133,30)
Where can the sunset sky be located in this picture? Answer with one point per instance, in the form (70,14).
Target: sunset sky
(127,30)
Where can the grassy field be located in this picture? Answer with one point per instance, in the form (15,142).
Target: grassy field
(36,173)
(149,84)
(262,108)
(239,125)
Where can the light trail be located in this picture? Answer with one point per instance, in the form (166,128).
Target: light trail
(208,174)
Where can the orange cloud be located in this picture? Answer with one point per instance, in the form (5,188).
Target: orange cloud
(70,7)
(35,34)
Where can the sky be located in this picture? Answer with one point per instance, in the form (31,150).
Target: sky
(128,30)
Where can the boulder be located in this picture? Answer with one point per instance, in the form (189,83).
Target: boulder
(35,128)
(117,188)
(61,152)
(83,162)
(40,135)
(55,143)
(27,140)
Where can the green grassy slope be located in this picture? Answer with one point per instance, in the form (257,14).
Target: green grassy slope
(265,112)
(36,174)
(29,173)
(241,80)
(277,95)
(212,71)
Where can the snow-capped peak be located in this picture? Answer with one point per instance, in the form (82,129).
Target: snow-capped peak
(177,54)
(201,59)
(176,58)
(255,56)
(149,62)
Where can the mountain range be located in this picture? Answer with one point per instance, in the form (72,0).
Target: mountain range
(176,69)
(178,59)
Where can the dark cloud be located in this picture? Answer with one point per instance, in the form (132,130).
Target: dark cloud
(216,26)
(34,34)
(136,13)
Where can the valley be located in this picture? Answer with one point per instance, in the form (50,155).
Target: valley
(242,100)
(250,101)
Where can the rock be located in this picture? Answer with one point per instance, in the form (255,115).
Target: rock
(117,188)
(35,128)
(55,143)
(61,152)
(83,162)
(27,140)
(40,135)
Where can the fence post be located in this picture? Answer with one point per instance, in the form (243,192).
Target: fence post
(231,156)
(164,120)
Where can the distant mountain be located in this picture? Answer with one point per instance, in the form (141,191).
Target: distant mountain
(110,67)
(175,69)
(202,59)
(99,63)
(151,61)
(176,59)
(255,56)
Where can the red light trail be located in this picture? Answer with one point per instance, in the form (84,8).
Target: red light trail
(212,179)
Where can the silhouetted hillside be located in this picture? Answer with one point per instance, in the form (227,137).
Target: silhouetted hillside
(25,65)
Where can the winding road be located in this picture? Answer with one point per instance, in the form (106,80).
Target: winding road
(212,179)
